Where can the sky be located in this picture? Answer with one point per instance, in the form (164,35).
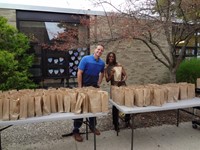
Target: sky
(74,4)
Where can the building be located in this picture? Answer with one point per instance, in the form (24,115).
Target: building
(43,24)
(45,28)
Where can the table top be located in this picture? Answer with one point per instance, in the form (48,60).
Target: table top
(194,102)
(51,117)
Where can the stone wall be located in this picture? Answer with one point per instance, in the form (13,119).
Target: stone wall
(10,14)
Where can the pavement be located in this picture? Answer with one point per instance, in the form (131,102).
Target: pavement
(165,137)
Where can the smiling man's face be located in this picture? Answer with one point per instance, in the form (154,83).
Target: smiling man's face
(98,51)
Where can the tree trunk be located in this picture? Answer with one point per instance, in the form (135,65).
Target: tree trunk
(172,75)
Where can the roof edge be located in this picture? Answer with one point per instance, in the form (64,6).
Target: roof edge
(50,9)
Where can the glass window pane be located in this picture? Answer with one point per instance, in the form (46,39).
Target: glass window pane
(198,39)
(55,35)
(53,30)
(34,30)
(198,52)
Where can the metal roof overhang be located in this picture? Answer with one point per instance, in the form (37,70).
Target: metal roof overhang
(50,9)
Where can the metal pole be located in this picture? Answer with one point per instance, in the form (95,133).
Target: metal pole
(94,125)
(132,129)
(177,117)
(115,115)
(0,141)
(87,123)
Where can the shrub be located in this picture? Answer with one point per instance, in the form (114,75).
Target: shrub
(188,71)
(14,60)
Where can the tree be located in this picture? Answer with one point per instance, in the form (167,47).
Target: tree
(65,40)
(71,36)
(177,20)
(14,59)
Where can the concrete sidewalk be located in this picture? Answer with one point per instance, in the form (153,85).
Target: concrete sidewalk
(166,137)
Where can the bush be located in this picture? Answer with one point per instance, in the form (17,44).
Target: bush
(188,71)
(14,60)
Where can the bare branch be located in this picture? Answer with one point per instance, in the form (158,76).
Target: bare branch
(152,51)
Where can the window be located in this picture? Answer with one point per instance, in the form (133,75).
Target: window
(54,36)
(193,46)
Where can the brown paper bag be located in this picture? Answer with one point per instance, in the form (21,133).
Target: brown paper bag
(191,91)
(14,108)
(31,106)
(139,97)
(94,101)
(170,94)
(198,83)
(119,95)
(173,92)
(104,101)
(1,106)
(11,92)
(176,92)
(23,107)
(129,97)
(73,98)
(38,106)
(46,104)
(39,92)
(86,103)
(158,97)
(147,96)
(66,102)
(54,105)
(183,93)
(59,98)
(163,87)
(6,109)
(79,103)
(151,94)
(117,73)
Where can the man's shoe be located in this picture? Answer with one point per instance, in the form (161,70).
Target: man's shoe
(95,131)
(78,137)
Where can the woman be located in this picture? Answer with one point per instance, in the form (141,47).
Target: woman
(109,70)
(109,75)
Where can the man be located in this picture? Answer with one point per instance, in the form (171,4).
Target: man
(90,73)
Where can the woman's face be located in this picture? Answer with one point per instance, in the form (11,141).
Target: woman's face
(111,58)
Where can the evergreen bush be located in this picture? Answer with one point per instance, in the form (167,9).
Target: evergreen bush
(188,71)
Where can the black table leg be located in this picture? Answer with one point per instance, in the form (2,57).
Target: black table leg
(132,129)
(87,123)
(94,135)
(0,142)
(177,117)
(115,116)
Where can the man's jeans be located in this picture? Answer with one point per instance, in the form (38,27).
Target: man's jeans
(78,123)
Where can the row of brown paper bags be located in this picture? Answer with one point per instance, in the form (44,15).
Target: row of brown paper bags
(198,83)
(30,103)
(151,94)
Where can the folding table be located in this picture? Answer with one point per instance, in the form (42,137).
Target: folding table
(51,117)
(179,105)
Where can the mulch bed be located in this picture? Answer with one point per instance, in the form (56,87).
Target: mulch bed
(160,118)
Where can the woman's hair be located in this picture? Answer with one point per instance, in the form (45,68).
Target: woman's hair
(114,60)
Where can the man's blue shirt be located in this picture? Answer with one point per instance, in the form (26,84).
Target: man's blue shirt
(91,69)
